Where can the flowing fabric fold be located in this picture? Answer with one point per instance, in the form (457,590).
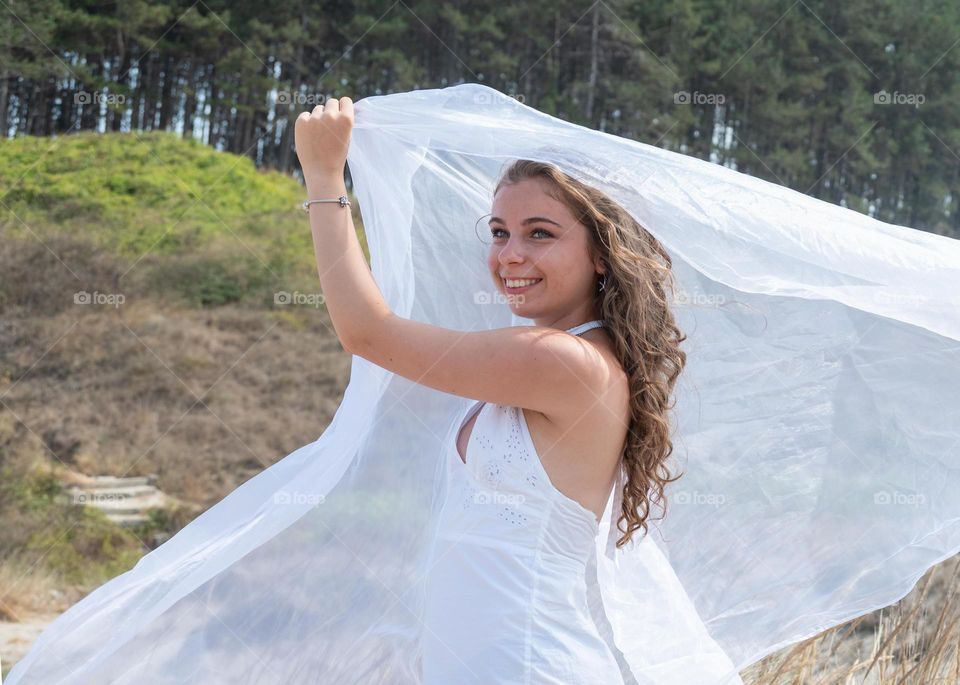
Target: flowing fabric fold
(817,425)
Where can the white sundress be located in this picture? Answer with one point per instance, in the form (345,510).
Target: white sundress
(506,591)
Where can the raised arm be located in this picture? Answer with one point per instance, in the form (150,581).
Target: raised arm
(538,368)
(542,369)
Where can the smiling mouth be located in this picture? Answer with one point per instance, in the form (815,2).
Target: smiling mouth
(527,283)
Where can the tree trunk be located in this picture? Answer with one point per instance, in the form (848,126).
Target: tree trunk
(167,105)
(214,93)
(91,108)
(285,153)
(236,126)
(190,107)
(123,78)
(23,103)
(594,50)
(4,100)
(48,119)
(137,95)
(151,88)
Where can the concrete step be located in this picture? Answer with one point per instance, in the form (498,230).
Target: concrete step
(128,520)
(125,506)
(96,482)
(124,491)
(125,501)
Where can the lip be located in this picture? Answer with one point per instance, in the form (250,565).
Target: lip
(517,291)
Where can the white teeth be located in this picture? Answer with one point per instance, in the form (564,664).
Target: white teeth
(519,284)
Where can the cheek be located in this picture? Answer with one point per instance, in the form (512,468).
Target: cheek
(553,260)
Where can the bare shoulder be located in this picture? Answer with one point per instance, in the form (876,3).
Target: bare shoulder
(609,393)
(598,411)
(580,446)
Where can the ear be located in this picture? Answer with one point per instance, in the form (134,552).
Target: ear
(599,266)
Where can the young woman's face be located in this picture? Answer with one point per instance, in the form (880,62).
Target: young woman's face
(536,237)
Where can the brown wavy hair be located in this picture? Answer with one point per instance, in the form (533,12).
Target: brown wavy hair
(635,306)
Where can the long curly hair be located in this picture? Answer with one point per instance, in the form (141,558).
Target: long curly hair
(635,306)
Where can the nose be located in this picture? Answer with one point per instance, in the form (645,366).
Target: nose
(510,252)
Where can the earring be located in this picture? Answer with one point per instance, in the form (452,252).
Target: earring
(603,282)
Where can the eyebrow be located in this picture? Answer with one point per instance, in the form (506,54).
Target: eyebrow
(531,220)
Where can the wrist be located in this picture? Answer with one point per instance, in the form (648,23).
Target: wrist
(325,185)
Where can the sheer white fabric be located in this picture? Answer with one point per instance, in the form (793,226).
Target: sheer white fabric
(816,422)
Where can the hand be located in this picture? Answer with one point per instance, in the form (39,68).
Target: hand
(322,138)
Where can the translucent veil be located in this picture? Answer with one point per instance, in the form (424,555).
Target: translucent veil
(817,425)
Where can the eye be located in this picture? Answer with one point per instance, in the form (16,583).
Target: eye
(495,232)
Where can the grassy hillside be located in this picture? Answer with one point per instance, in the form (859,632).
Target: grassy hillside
(184,220)
(134,192)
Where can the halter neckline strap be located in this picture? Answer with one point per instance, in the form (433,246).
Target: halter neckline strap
(584,327)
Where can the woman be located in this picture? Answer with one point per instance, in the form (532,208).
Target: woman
(506,593)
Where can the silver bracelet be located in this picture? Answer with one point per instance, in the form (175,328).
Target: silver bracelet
(342,200)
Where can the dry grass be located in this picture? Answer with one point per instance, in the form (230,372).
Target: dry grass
(205,398)
(38,589)
(913,642)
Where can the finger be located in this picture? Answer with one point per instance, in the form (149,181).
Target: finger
(332,105)
(346,106)
(318,109)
